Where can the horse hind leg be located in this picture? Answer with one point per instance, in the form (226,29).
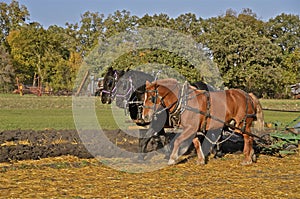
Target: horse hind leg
(250,156)
(248,151)
(197,145)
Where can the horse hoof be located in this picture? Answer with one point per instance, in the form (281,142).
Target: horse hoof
(200,162)
(171,162)
(244,163)
(254,158)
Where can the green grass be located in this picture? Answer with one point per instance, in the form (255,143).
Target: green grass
(286,104)
(281,118)
(53,112)
(36,119)
(48,112)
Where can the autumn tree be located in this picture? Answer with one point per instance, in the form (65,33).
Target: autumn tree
(42,52)
(256,56)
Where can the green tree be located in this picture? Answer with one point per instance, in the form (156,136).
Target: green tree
(90,31)
(284,31)
(6,71)
(30,50)
(157,20)
(12,17)
(42,52)
(188,24)
(246,59)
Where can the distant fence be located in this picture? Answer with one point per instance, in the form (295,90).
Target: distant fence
(281,110)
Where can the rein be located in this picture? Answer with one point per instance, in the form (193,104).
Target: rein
(131,88)
(113,92)
(174,116)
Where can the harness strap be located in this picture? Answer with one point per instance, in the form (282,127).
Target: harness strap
(175,115)
(207,115)
(217,140)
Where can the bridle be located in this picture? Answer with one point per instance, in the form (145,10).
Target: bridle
(112,92)
(127,95)
(177,103)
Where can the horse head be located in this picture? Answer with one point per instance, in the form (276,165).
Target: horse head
(109,85)
(160,95)
(124,91)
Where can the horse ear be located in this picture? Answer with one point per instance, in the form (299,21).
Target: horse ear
(110,69)
(147,83)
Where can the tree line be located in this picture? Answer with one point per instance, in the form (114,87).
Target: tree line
(257,56)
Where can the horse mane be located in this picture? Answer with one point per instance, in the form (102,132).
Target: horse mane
(196,85)
(165,82)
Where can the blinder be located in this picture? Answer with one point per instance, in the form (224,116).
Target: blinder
(111,86)
(154,99)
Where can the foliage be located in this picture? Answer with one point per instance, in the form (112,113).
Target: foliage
(6,71)
(39,51)
(12,17)
(284,31)
(245,58)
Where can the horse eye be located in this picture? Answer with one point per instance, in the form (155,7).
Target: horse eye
(110,83)
(152,99)
(124,86)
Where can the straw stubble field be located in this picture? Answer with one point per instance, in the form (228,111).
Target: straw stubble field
(71,177)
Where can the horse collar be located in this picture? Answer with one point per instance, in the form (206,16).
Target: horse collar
(175,115)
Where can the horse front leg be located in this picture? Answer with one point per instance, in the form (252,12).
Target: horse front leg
(144,137)
(182,137)
(197,145)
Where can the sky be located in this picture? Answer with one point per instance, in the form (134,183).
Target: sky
(58,12)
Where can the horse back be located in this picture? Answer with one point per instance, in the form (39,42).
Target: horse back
(240,101)
(225,106)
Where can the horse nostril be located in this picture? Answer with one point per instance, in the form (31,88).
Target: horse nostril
(145,117)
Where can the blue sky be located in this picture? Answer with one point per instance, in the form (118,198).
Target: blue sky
(49,12)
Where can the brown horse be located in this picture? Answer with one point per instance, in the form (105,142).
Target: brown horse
(201,111)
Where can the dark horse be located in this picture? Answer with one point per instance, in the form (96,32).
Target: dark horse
(201,111)
(127,88)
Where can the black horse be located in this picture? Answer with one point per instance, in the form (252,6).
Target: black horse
(127,88)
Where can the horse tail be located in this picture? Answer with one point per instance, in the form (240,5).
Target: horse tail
(259,122)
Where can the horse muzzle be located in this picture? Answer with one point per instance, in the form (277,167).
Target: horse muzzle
(141,122)
(147,118)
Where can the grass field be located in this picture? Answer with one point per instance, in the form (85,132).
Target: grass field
(53,112)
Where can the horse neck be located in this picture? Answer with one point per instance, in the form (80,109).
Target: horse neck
(138,82)
(169,95)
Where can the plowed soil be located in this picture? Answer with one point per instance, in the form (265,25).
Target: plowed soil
(25,145)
